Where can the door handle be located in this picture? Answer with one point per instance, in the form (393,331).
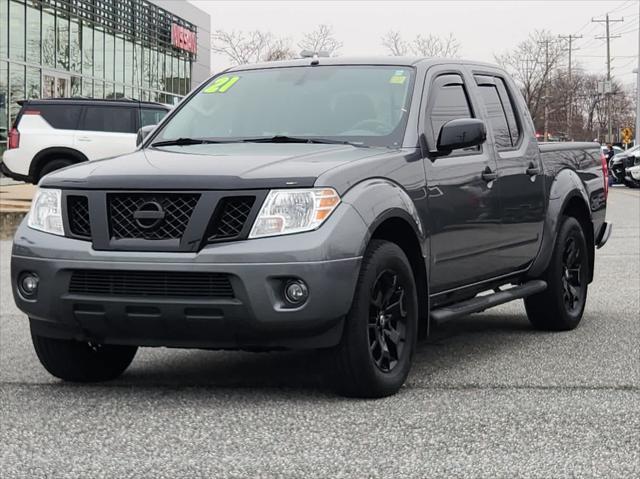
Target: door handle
(488,175)
(533,170)
(84,138)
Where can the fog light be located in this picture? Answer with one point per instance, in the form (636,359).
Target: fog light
(296,292)
(28,284)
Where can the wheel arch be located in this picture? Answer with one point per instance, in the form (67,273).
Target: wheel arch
(48,154)
(567,197)
(390,214)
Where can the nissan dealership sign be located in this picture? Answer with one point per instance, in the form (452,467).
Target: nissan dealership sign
(183,38)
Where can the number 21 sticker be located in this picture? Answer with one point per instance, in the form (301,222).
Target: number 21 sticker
(222,84)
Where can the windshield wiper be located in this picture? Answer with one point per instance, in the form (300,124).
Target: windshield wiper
(298,139)
(185,141)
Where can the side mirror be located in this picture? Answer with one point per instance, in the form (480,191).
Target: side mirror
(461,133)
(142,134)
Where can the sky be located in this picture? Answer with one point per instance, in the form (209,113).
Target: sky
(482,28)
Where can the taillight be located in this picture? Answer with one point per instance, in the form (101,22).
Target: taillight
(14,138)
(605,173)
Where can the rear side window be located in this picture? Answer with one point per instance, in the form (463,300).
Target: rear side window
(151,116)
(60,117)
(497,117)
(510,110)
(109,119)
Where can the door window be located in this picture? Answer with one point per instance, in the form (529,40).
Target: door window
(109,119)
(510,110)
(151,116)
(497,117)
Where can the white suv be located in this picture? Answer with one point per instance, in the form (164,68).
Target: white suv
(54,133)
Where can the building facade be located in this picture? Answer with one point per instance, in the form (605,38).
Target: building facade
(149,50)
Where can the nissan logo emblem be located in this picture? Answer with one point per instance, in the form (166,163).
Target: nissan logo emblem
(149,215)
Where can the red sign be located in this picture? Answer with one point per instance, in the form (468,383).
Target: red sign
(183,38)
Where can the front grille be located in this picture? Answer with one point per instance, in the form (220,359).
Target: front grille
(230,217)
(151,283)
(177,209)
(78,212)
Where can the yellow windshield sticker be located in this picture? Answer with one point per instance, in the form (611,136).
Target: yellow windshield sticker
(222,84)
(397,79)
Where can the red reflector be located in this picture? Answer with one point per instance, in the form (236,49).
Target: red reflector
(13,139)
(605,173)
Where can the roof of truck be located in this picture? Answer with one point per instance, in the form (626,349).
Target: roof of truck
(369,60)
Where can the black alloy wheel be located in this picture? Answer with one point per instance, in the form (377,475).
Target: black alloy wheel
(387,321)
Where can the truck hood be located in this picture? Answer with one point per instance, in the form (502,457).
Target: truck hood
(213,166)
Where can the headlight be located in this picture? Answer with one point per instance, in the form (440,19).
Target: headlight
(46,212)
(294,211)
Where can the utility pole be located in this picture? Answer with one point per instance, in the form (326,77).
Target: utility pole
(607,91)
(546,42)
(570,38)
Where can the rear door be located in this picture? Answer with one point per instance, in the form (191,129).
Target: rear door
(464,202)
(107,130)
(520,173)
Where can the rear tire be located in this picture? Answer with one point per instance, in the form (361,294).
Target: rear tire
(375,353)
(561,305)
(53,165)
(81,361)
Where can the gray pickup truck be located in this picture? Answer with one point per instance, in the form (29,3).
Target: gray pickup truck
(337,204)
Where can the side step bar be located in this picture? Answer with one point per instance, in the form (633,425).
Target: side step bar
(480,303)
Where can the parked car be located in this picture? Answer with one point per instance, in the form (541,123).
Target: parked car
(620,164)
(50,134)
(356,202)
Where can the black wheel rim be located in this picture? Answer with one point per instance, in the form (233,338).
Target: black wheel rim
(572,280)
(387,321)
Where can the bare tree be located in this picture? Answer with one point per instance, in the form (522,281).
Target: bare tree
(394,43)
(279,49)
(434,46)
(242,47)
(321,40)
(532,65)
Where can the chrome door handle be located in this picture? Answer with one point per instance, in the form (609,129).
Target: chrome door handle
(84,138)
(533,170)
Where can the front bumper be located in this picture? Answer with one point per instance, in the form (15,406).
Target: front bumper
(255,317)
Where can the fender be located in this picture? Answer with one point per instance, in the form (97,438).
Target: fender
(38,159)
(565,186)
(379,199)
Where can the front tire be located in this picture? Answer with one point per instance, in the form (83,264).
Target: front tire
(53,165)
(375,353)
(561,305)
(78,361)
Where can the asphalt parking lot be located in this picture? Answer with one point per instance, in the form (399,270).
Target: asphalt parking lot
(488,397)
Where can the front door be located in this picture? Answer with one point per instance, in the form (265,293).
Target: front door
(55,85)
(464,202)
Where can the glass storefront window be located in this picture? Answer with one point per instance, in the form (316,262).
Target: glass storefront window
(119,59)
(98,89)
(33,34)
(16,30)
(87,49)
(87,87)
(108,90)
(62,42)
(128,62)
(75,50)
(168,84)
(146,57)
(16,89)
(109,48)
(4,34)
(48,38)
(76,86)
(33,83)
(4,93)
(176,75)
(137,64)
(98,54)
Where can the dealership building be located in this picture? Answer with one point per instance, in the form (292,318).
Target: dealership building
(153,50)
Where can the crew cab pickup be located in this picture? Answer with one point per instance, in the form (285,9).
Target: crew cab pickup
(338,204)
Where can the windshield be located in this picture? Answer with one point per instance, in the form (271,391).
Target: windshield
(359,104)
